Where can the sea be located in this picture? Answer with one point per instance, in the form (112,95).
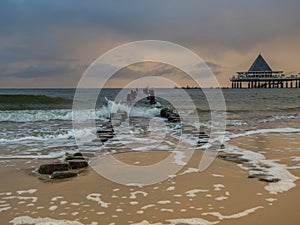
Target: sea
(37,123)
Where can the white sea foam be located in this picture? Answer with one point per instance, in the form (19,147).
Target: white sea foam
(83,115)
(133,195)
(218,187)
(2,209)
(33,199)
(282,117)
(53,207)
(295,158)
(178,158)
(266,131)
(96,198)
(192,221)
(217,175)
(65,135)
(145,222)
(221,198)
(189,170)
(171,188)
(147,206)
(233,216)
(42,221)
(133,203)
(167,210)
(274,169)
(29,191)
(163,202)
(192,193)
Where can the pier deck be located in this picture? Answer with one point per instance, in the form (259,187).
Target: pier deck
(283,82)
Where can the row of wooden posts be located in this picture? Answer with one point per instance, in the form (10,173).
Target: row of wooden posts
(266,84)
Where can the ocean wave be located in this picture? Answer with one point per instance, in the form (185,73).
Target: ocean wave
(67,114)
(280,117)
(21,102)
(40,137)
(35,115)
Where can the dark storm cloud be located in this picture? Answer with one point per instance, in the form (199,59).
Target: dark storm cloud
(43,34)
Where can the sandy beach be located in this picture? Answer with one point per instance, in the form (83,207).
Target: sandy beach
(220,195)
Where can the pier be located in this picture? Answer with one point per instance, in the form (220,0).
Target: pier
(260,75)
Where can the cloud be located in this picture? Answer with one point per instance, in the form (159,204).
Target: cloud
(52,38)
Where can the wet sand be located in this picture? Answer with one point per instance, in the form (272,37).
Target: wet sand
(220,195)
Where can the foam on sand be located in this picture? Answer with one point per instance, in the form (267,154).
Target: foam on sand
(221,198)
(189,170)
(192,193)
(33,199)
(274,169)
(218,187)
(5,208)
(29,191)
(192,221)
(266,131)
(148,206)
(43,221)
(96,198)
(167,210)
(145,222)
(233,216)
(217,175)
(163,202)
(133,195)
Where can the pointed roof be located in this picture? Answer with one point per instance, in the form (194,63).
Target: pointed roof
(260,65)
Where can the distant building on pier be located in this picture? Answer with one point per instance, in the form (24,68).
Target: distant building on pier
(260,75)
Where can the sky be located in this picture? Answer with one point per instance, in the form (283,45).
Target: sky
(51,43)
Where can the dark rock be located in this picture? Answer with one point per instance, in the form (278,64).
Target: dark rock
(203,141)
(233,158)
(62,174)
(103,139)
(164,111)
(269,179)
(173,118)
(51,167)
(108,136)
(74,158)
(77,164)
(258,175)
(77,154)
